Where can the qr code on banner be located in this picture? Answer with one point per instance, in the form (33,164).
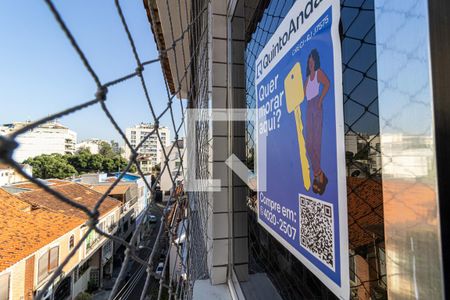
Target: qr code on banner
(317,229)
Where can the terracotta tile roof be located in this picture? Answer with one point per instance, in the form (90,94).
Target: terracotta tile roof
(24,230)
(32,186)
(5,166)
(365,211)
(77,192)
(369,201)
(117,190)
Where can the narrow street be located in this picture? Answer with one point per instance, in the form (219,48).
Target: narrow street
(132,288)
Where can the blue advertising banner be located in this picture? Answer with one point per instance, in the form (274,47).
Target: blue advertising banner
(302,194)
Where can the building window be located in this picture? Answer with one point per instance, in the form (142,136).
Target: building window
(53,258)
(71,242)
(43,267)
(48,262)
(4,286)
(92,239)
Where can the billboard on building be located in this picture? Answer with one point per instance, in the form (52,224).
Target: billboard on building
(302,201)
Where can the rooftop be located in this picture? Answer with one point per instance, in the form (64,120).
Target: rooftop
(4,166)
(82,194)
(17,125)
(365,211)
(119,189)
(25,229)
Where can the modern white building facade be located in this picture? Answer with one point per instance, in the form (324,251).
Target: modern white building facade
(48,138)
(150,151)
(175,160)
(93,145)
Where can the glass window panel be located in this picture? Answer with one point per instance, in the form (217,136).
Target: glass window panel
(43,267)
(54,259)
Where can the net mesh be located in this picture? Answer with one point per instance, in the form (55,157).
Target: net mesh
(174,231)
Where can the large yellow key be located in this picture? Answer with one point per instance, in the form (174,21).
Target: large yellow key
(293,88)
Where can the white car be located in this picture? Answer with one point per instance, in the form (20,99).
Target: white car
(159,270)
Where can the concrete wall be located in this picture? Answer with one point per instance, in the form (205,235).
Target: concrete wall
(81,284)
(17,281)
(44,141)
(227,228)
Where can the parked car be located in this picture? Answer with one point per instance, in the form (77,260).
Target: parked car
(159,270)
(152,219)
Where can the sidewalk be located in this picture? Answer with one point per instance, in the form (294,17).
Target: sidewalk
(108,284)
(101,295)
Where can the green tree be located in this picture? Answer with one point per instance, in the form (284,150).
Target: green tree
(63,166)
(51,166)
(83,150)
(95,162)
(108,165)
(106,150)
(156,169)
(80,161)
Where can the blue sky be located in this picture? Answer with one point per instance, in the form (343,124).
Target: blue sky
(41,74)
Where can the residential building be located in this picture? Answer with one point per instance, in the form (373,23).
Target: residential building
(410,156)
(8,175)
(351,143)
(93,145)
(151,149)
(48,138)
(42,230)
(131,191)
(173,169)
(115,147)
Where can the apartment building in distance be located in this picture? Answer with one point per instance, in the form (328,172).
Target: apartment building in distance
(131,191)
(115,146)
(150,152)
(173,166)
(93,145)
(38,233)
(48,138)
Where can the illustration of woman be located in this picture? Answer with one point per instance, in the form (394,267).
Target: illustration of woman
(315,77)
